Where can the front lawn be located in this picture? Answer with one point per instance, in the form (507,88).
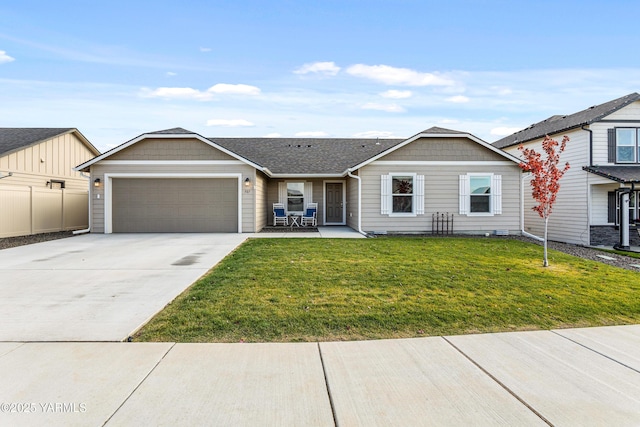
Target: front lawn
(341,289)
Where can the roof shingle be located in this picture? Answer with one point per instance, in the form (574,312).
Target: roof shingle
(12,139)
(559,123)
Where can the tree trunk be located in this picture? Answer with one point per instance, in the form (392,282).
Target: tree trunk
(546,260)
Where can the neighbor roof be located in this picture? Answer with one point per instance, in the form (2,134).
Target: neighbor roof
(558,123)
(308,156)
(13,139)
(623,174)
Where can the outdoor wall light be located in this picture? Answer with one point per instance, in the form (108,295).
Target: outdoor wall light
(247,183)
(96,182)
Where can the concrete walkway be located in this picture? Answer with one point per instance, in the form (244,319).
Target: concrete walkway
(573,377)
(333,232)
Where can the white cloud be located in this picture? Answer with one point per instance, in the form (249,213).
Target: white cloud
(311,134)
(174,93)
(273,135)
(448,121)
(238,89)
(389,108)
(375,134)
(205,49)
(458,99)
(5,58)
(397,76)
(190,93)
(229,123)
(326,68)
(397,94)
(171,74)
(504,131)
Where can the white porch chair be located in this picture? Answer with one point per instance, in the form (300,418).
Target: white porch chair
(280,214)
(310,216)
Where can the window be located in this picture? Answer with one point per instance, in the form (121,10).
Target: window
(480,194)
(295,196)
(402,194)
(626,145)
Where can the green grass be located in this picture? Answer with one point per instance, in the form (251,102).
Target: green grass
(340,289)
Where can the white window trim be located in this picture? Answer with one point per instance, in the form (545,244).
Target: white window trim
(307,196)
(495,196)
(635,146)
(414,198)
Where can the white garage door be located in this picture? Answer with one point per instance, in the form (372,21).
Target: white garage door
(171,205)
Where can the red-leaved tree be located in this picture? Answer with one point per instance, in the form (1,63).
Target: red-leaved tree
(545,178)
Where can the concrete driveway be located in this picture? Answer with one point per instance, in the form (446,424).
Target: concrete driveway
(98,287)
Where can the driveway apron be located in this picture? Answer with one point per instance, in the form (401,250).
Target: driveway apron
(98,287)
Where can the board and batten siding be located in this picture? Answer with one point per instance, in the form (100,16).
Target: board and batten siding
(569,221)
(170,149)
(441,194)
(54,158)
(99,169)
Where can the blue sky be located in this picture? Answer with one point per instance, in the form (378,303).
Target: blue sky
(344,68)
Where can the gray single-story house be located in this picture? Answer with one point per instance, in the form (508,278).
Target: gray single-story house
(178,181)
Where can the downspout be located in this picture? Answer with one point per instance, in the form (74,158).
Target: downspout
(359,201)
(590,158)
(86,230)
(524,233)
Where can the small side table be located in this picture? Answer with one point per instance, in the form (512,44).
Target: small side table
(294,221)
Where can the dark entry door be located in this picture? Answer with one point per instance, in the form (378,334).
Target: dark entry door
(334,208)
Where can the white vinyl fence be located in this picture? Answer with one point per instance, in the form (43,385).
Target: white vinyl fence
(29,210)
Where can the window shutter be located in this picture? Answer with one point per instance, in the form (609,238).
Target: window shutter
(611,207)
(464,195)
(282,193)
(496,194)
(308,194)
(385,190)
(419,194)
(611,144)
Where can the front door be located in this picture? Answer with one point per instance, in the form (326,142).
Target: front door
(333,203)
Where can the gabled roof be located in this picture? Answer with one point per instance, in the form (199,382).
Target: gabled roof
(306,156)
(622,174)
(177,133)
(558,123)
(14,139)
(286,157)
(437,132)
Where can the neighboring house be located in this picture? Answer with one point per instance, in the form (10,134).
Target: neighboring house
(604,154)
(179,181)
(39,189)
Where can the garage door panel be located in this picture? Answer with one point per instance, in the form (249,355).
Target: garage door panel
(156,205)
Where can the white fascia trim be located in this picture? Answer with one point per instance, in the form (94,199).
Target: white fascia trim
(439,135)
(443,163)
(166,136)
(171,162)
(305,175)
(344,201)
(108,219)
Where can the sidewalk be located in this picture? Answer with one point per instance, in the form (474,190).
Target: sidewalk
(572,377)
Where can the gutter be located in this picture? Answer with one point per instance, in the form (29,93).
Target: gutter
(359,201)
(524,233)
(86,230)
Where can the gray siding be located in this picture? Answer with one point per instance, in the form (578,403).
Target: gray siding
(352,203)
(170,149)
(443,149)
(441,195)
